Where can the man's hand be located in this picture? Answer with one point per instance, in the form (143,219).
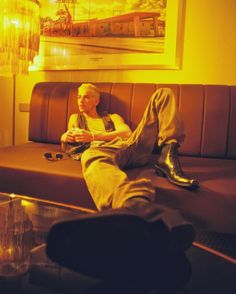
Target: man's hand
(77,135)
(68,137)
(83,136)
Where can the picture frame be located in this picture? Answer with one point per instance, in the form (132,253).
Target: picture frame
(113,42)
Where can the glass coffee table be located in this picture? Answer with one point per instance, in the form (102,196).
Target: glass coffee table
(24,225)
(25,268)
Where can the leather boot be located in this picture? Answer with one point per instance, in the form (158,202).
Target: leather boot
(167,225)
(168,165)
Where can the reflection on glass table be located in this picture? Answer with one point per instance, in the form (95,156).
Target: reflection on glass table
(24,224)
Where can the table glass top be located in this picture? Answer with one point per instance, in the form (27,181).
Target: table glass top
(24,225)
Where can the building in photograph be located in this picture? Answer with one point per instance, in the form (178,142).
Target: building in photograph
(133,24)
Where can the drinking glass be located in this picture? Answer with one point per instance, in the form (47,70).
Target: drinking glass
(16,237)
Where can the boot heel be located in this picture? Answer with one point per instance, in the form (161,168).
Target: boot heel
(159,172)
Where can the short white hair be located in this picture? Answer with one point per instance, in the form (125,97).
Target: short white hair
(90,87)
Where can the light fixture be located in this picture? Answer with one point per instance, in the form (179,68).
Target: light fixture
(19,35)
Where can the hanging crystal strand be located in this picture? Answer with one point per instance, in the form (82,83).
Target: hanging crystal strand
(19,35)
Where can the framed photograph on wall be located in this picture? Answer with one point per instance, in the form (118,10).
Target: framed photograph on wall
(104,34)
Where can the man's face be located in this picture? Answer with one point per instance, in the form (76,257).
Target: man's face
(87,100)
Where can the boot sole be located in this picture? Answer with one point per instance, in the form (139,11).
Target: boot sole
(113,242)
(100,245)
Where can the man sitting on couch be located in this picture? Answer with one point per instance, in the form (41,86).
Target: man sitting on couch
(114,147)
(106,146)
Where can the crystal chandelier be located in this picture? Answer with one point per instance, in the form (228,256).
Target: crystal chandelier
(19,35)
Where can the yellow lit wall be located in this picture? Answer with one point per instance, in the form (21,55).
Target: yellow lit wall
(209,57)
(6,105)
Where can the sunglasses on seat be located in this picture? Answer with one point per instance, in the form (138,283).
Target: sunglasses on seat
(52,157)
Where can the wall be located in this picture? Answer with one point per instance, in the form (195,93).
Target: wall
(6,106)
(209,57)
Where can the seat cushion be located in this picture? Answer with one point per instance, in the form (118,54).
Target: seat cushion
(213,206)
(23,170)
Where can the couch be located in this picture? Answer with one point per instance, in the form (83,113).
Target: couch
(208,153)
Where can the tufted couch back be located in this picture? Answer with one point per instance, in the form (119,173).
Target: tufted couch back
(209,112)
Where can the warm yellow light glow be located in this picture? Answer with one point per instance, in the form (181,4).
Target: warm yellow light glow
(6,253)
(26,203)
(19,35)
(1,252)
(9,251)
